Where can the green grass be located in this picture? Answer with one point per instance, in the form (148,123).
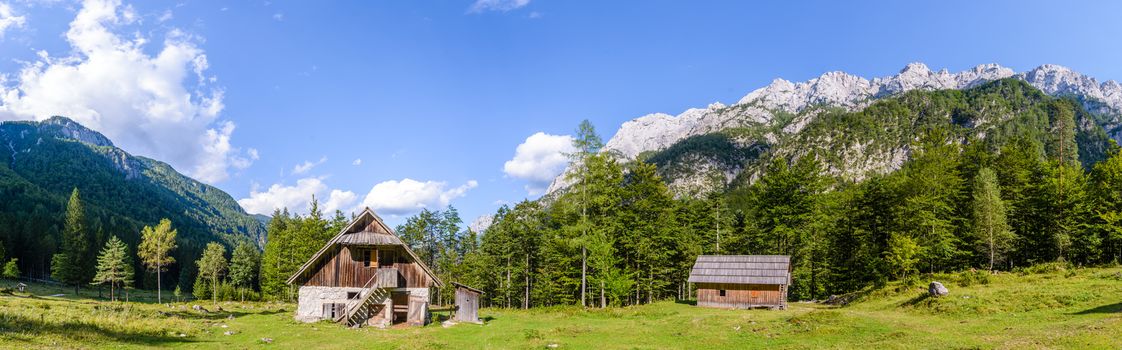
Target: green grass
(1080,309)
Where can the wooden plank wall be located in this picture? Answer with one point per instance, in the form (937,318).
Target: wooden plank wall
(344,270)
(739,295)
(467,305)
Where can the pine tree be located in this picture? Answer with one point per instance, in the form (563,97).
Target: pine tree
(990,226)
(275,259)
(70,265)
(244,266)
(587,143)
(1107,180)
(212,266)
(649,223)
(155,246)
(931,190)
(113,266)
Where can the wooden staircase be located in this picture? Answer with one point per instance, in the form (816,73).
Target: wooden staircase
(361,307)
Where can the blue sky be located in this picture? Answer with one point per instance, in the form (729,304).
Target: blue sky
(435,97)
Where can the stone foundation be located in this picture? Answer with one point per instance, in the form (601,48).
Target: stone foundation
(311,301)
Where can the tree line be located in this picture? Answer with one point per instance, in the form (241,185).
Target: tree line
(617,236)
(114,267)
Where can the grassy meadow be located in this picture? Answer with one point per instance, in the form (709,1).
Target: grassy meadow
(1076,309)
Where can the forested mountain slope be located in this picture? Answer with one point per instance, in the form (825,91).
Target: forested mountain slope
(42,162)
(842,118)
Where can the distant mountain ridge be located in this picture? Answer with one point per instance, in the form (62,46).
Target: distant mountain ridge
(782,109)
(45,160)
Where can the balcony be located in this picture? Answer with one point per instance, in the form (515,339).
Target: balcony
(386,277)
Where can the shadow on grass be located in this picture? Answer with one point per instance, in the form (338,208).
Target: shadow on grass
(686,302)
(1105,309)
(919,299)
(215,315)
(18,327)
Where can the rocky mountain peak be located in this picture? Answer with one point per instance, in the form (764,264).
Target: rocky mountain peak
(65,128)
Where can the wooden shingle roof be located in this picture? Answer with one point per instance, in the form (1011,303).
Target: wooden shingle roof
(369,238)
(354,234)
(742,269)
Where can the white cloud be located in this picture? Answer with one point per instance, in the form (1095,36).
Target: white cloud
(357,162)
(539,160)
(307,165)
(408,196)
(162,105)
(9,20)
(278,16)
(339,199)
(535,15)
(166,16)
(297,198)
(481,6)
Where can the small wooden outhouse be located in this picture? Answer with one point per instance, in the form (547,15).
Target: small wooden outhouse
(742,281)
(467,303)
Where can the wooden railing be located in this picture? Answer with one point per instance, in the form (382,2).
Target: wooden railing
(354,303)
(383,278)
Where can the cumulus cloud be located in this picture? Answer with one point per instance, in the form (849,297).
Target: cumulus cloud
(481,6)
(357,162)
(307,165)
(339,199)
(539,160)
(8,19)
(297,198)
(409,196)
(162,105)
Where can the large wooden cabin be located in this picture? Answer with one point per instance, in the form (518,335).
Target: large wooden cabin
(742,281)
(365,275)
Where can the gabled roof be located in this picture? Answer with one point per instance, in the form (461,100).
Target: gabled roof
(461,285)
(350,235)
(742,269)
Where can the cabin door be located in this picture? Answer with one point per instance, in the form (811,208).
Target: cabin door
(400,306)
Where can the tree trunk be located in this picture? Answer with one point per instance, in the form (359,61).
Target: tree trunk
(507,289)
(159,288)
(991,249)
(526,288)
(603,299)
(583,275)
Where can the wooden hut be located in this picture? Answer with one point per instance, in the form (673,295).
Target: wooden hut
(467,303)
(742,281)
(365,275)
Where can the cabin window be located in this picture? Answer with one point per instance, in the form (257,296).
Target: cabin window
(722,292)
(352,295)
(386,258)
(365,256)
(332,310)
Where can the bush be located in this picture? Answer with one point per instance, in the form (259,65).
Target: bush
(226,292)
(967,278)
(911,281)
(1050,267)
